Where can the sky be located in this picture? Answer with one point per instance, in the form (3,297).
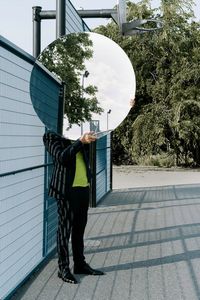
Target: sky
(114,77)
(16,19)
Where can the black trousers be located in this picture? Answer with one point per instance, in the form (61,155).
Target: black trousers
(72,220)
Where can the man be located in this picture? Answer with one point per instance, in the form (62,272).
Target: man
(69,185)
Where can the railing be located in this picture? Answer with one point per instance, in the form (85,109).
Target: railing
(24,170)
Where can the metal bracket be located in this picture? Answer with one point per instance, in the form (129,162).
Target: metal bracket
(135,26)
(128,28)
(114,16)
(99,13)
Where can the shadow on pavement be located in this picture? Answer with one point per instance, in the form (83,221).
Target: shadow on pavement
(146,240)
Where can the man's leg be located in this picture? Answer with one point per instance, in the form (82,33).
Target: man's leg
(63,235)
(79,202)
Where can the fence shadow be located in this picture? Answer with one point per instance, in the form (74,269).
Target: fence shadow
(132,232)
(183,233)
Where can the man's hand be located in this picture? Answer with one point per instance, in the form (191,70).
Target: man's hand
(88,137)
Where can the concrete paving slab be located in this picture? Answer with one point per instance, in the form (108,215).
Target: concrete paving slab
(146,240)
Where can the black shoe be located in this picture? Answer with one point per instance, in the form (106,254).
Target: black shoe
(67,276)
(86,269)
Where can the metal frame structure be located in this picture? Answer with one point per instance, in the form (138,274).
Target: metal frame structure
(119,17)
(38,15)
(99,13)
(126,28)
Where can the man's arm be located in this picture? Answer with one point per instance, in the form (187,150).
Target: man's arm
(53,144)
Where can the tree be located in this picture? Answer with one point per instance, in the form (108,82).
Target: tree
(66,59)
(166,62)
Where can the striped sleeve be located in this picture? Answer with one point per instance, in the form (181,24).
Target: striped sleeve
(53,144)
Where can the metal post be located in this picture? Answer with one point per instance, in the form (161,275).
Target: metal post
(108,112)
(85,75)
(47,14)
(36,30)
(61,109)
(111,163)
(60,18)
(99,13)
(93,181)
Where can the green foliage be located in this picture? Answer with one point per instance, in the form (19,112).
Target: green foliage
(163,160)
(66,59)
(163,127)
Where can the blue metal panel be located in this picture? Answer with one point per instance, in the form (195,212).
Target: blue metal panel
(20,127)
(22,211)
(21,199)
(51,225)
(45,94)
(102,167)
(101,185)
(50,219)
(101,155)
(16,50)
(74,22)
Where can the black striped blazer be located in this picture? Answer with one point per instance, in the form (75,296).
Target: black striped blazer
(63,152)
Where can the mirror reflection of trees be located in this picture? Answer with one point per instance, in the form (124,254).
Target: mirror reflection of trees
(66,58)
(163,128)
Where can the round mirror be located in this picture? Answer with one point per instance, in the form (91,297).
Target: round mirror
(92,75)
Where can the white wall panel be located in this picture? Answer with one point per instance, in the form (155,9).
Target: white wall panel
(22,194)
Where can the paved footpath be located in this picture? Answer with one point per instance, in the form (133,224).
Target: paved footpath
(146,240)
(134,176)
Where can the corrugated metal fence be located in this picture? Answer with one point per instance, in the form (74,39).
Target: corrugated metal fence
(103,167)
(28,217)
(22,169)
(73,21)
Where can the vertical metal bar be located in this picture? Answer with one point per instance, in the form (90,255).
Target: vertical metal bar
(60,18)
(107,120)
(36,30)
(106,164)
(111,164)
(61,109)
(93,197)
(45,204)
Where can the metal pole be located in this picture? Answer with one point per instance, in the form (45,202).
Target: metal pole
(60,18)
(93,181)
(48,14)
(111,163)
(107,120)
(98,13)
(36,30)
(83,76)
(108,112)
(61,108)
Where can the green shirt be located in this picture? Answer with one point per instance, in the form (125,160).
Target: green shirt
(80,178)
